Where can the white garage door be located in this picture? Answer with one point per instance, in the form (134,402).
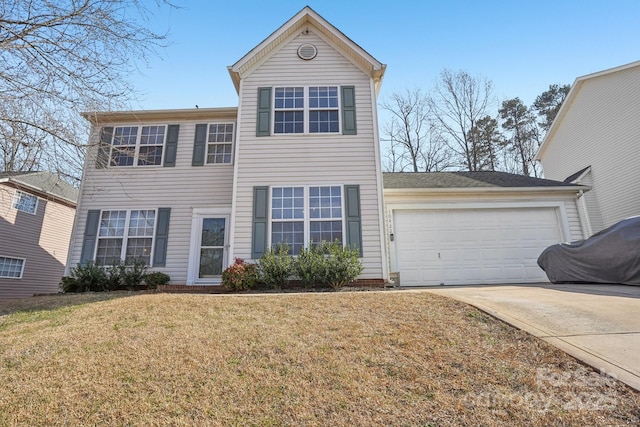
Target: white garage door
(473,246)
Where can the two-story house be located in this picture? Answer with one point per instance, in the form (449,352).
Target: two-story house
(36,219)
(594,142)
(297,161)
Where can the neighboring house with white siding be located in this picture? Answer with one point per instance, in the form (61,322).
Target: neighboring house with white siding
(36,219)
(298,161)
(595,140)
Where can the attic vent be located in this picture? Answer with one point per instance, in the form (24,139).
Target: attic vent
(307,51)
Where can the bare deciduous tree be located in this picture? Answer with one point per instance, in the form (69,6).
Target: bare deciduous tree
(413,135)
(459,101)
(58,58)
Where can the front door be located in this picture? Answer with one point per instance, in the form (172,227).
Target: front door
(209,248)
(212,247)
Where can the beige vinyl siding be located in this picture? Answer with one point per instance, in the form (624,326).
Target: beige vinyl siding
(180,188)
(41,239)
(601,129)
(308,159)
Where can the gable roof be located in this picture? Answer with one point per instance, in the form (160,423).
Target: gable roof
(298,23)
(571,96)
(470,181)
(42,182)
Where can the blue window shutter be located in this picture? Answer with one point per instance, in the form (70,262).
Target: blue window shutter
(90,236)
(104,146)
(162,238)
(263,127)
(349,110)
(260,225)
(171,147)
(353,217)
(199,145)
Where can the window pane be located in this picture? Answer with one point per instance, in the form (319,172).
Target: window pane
(25,202)
(11,267)
(323,121)
(210,262)
(122,156)
(325,231)
(213,231)
(112,223)
(125,135)
(287,203)
(290,233)
(150,156)
(109,251)
(152,135)
(219,153)
(142,223)
(138,249)
(220,133)
(327,202)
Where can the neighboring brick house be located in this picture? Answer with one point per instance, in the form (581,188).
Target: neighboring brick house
(36,219)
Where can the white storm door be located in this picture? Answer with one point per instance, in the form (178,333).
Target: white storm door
(209,249)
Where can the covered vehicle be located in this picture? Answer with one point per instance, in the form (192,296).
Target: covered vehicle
(610,256)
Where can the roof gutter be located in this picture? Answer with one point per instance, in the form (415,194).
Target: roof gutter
(458,190)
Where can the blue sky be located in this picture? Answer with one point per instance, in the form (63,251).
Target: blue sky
(522,46)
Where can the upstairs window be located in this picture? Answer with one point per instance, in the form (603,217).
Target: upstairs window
(138,146)
(313,109)
(289,110)
(323,109)
(25,202)
(220,143)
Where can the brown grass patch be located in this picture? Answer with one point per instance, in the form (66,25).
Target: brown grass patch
(338,359)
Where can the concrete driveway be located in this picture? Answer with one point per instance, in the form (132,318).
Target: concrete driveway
(598,324)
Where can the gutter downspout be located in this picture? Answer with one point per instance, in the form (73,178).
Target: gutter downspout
(585,221)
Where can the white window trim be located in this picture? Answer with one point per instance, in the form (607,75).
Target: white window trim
(125,236)
(16,198)
(306,109)
(232,143)
(138,145)
(24,264)
(307,218)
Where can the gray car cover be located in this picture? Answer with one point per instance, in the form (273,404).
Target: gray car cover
(610,256)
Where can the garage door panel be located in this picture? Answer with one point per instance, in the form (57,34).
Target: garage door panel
(467,246)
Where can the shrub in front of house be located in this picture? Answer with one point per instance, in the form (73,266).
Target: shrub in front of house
(343,264)
(156,278)
(275,267)
(240,276)
(85,278)
(327,264)
(309,267)
(93,277)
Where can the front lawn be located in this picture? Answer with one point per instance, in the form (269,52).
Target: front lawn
(329,359)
